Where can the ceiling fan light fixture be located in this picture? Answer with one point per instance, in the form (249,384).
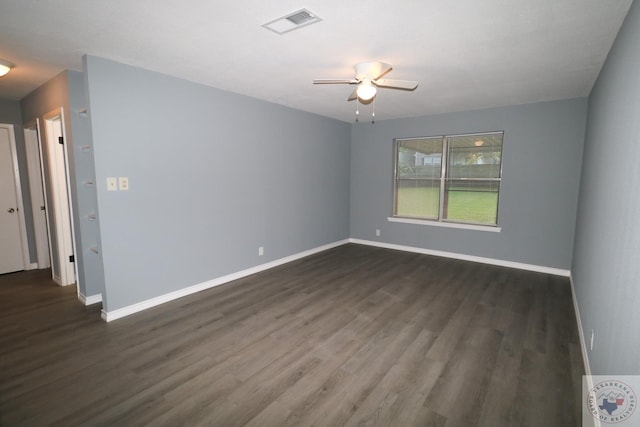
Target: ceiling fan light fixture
(5,67)
(366,90)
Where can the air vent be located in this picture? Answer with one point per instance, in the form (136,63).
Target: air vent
(292,21)
(300,17)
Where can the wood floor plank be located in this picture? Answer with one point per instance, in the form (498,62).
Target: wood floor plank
(353,336)
(387,401)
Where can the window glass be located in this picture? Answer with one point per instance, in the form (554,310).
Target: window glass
(419,173)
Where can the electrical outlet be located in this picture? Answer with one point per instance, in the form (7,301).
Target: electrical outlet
(261,251)
(591,341)
(378,233)
(112,184)
(123,183)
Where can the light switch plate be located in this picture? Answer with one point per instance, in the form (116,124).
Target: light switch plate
(123,183)
(112,184)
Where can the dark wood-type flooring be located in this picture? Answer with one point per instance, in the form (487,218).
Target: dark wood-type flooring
(352,336)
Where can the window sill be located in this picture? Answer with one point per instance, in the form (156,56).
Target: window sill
(445,224)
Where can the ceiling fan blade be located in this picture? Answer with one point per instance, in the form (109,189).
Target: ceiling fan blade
(334,81)
(371,70)
(353,96)
(396,84)
(379,69)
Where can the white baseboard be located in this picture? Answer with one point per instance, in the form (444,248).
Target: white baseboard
(32,266)
(90,300)
(585,352)
(143,305)
(583,337)
(109,316)
(453,255)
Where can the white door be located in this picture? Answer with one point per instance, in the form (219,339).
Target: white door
(36,179)
(11,249)
(65,267)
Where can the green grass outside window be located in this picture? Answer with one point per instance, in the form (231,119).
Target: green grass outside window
(479,207)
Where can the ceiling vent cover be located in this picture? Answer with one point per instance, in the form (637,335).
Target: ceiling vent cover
(292,21)
(300,18)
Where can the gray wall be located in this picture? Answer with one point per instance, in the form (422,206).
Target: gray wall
(606,269)
(212,176)
(66,90)
(542,155)
(10,114)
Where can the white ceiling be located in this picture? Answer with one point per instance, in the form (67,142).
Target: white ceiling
(466,54)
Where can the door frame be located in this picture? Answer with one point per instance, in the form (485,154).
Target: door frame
(22,224)
(61,190)
(35,167)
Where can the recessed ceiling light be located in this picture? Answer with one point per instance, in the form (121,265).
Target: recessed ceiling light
(292,21)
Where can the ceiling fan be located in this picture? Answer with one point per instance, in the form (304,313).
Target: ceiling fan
(368,78)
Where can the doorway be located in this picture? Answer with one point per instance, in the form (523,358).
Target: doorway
(38,197)
(62,248)
(14,252)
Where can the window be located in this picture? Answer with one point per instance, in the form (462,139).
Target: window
(449,178)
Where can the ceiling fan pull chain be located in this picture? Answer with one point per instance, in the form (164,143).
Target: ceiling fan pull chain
(373,112)
(357,110)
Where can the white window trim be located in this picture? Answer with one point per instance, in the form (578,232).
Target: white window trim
(445,224)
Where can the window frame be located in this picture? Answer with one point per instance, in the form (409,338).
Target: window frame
(443,181)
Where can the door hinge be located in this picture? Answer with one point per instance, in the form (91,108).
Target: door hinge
(60,140)
(72,258)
